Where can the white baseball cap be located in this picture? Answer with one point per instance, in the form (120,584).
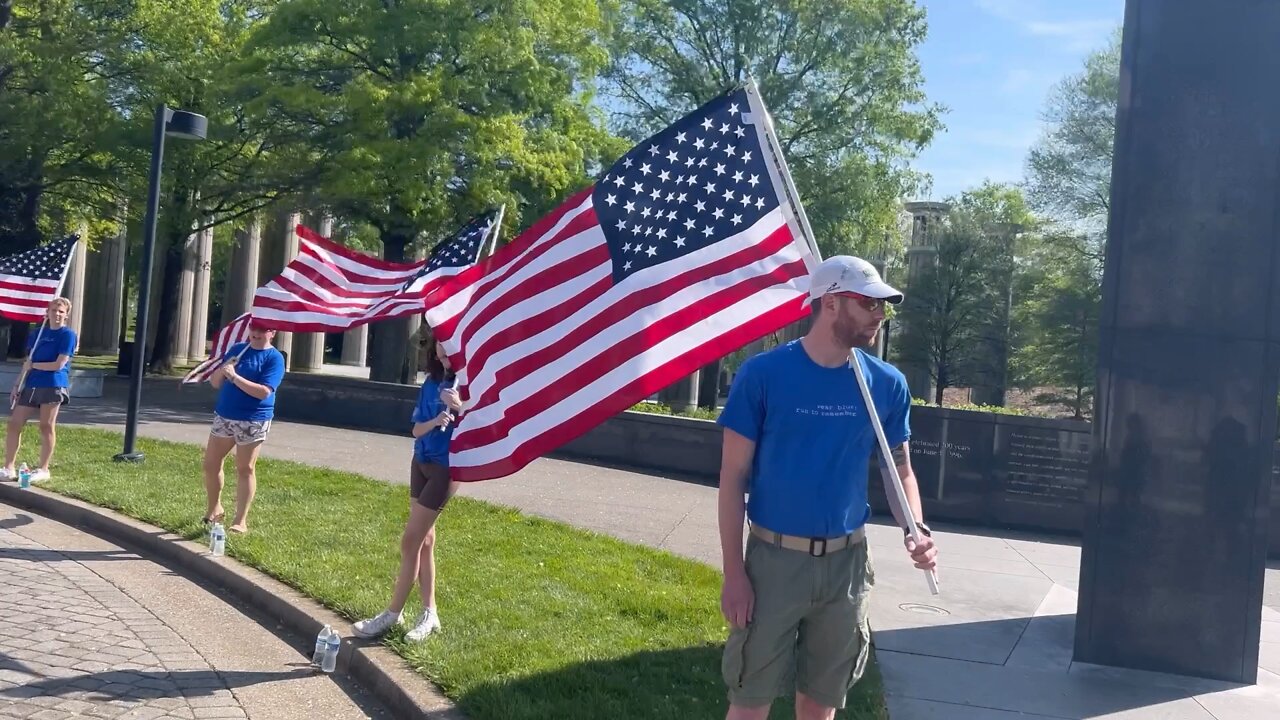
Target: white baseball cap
(845,273)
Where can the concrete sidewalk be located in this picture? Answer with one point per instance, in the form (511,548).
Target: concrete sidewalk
(91,629)
(995,645)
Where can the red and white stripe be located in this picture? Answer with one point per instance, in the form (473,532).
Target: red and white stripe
(330,288)
(549,346)
(236,331)
(24,299)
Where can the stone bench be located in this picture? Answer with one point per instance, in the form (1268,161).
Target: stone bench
(84,383)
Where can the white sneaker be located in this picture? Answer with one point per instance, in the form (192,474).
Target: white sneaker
(377,625)
(39,475)
(7,475)
(427,623)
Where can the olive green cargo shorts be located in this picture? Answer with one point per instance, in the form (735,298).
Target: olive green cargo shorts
(809,630)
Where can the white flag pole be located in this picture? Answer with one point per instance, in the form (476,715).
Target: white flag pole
(497,229)
(22,376)
(778,172)
(799,223)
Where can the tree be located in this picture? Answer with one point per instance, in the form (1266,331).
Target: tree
(79,80)
(56,118)
(840,78)
(952,305)
(1058,317)
(1060,288)
(1000,213)
(420,114)
(1069,168)
(181,52)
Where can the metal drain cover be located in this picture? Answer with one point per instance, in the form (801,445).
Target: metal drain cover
(923,609)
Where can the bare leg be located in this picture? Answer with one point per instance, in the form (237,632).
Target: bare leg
(13,436)
(246,483)
(421,522)
(809,709)
(48,433)
(427,570)
(214,453)
(737,712)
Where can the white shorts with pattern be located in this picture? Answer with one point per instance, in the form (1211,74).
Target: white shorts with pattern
(244,432)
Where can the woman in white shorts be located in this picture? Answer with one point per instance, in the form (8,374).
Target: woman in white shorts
(247,382)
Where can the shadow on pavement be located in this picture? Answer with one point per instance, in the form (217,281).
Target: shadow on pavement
(963,667)
(11,663)
(146,685)
(51,556)
(16,521)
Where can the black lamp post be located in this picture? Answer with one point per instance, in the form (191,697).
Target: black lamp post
(186,126)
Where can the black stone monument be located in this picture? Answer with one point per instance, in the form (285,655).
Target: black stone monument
(1177,504)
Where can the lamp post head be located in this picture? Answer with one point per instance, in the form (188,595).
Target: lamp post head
(186,125)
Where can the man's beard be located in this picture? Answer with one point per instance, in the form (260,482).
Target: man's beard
(851,336)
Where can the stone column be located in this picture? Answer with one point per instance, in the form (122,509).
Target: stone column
(308,348)
(355,346)
(104,295)
(200,296)
(279,246)
(709,385)
(1175,512)
(681,395)
(922,256)
(73,288)
(242,278)
(181,337)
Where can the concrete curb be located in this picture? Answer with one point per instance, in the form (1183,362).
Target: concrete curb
(375,667)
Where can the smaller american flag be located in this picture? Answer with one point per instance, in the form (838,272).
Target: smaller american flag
(236,331)
(331,288)
(452,255)
(30,280)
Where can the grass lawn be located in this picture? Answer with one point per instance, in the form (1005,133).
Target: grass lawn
(541,620)
(108,364)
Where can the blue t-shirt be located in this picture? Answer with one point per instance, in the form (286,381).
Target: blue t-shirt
(813,438)
(434,446)
(264,367)
(52,344)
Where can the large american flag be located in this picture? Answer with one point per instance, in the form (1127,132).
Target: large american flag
(679,255)
(236,331)
(30,280)
(331,288)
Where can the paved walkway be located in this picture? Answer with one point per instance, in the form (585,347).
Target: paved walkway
(92,630)
(994,646)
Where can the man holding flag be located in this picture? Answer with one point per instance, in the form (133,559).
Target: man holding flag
(29,285)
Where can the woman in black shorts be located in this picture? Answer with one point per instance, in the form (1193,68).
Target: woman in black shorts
(429,489)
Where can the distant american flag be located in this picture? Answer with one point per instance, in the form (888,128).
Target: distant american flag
(331,288)
(237,331)
(30,280)
(681,254)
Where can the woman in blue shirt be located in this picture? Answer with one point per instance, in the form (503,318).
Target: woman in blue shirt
(246,383)
(48,367)
(429,489)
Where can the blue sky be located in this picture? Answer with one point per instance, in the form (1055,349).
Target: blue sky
(992,63)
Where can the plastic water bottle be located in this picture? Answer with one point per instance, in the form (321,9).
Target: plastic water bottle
(331,646)
(24,476)
(218,540)
(322,644)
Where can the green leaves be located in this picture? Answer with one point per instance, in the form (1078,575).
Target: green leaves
(1069,169)
(420,113)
